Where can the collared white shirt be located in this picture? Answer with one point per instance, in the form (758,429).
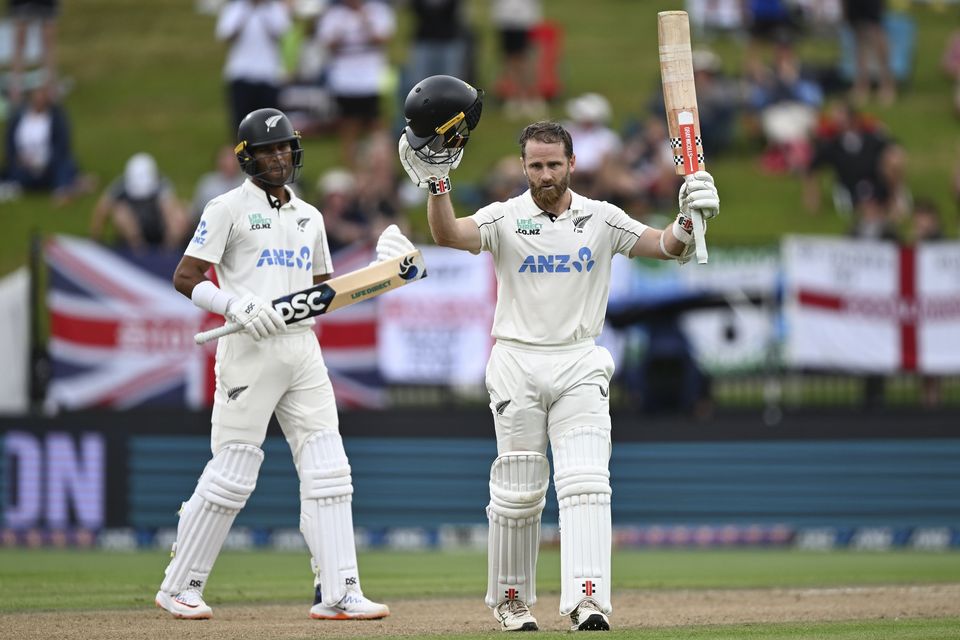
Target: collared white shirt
(257,249)
(553,275)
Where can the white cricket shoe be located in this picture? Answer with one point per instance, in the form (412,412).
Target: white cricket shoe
(353,606)
(514,615)
(588,617)
(186,605)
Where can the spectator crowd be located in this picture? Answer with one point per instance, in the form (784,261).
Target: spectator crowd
(327,63)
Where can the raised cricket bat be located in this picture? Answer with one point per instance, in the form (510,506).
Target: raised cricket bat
(680,101)
(356,286)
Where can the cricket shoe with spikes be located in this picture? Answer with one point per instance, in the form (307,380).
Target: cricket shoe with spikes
(186,605)
(514,615)
(588,617)
(352,606)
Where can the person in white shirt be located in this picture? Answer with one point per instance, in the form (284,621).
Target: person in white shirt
(264,242)
(548,381)
(253,69)
(356,34)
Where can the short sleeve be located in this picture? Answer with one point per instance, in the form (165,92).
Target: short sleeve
(210,237)
(624,230)
(322,263)
(488,221)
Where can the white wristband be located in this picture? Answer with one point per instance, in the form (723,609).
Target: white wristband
(439,186)
(209,297)
(663,248)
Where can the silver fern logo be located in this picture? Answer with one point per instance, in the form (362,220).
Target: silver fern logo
(272,121)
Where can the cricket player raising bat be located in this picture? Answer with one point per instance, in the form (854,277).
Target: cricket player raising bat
(264,243)
(548,381)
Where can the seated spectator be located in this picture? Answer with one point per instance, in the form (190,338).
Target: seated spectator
(866,164)
(784,103)
(343,220)
(718,102)
(643,179)
(871,220)
(504,181)
(38,151)
(594,143)
(925,223)
(143,208)
(226,177)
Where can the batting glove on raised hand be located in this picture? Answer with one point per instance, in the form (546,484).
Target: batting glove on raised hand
(698,192)
(392,244)
(256,316)
(426,175)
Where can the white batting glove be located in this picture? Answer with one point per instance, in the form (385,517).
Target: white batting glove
(699,192)
(435,177)
(392,244)
(257,316)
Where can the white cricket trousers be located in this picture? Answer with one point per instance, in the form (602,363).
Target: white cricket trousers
(283,374)
(549,391)
(559,395)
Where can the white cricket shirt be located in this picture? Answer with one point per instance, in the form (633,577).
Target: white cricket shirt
(257,249)
(553,276)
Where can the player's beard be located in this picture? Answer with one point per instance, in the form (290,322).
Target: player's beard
(546,197)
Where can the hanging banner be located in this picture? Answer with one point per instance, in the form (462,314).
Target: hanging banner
(875,307)
(438,332)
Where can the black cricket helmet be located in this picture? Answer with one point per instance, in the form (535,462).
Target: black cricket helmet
(265,127)
(441,111)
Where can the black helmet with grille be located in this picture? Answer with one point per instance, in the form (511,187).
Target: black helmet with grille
(441,111)
(266,127)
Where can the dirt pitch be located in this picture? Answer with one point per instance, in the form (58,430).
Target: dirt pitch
(633,609)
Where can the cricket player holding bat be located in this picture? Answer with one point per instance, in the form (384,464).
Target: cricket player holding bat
(548,381)
(265,243)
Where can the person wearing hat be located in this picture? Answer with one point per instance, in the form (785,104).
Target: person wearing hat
(142,206)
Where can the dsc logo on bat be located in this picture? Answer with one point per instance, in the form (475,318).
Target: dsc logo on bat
(304,304)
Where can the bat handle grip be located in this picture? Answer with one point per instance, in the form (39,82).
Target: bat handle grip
(699,233)
(698,236)
(219,332)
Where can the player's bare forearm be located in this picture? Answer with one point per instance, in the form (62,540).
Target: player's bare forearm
(189,273)
(449,231)
(648,245)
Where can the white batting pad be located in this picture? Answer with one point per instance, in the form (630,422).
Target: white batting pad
(205,519)
(326,517)
(581,463)
(518,489)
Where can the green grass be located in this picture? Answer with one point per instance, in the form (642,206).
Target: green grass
(147,77)
(66,580)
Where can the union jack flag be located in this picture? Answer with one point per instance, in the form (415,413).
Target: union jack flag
(122,337)
(348,340)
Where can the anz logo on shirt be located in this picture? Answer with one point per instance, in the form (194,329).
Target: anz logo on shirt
(559,263)
(286,258)
(201,234)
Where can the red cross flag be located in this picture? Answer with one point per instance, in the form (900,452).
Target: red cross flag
(866,306)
